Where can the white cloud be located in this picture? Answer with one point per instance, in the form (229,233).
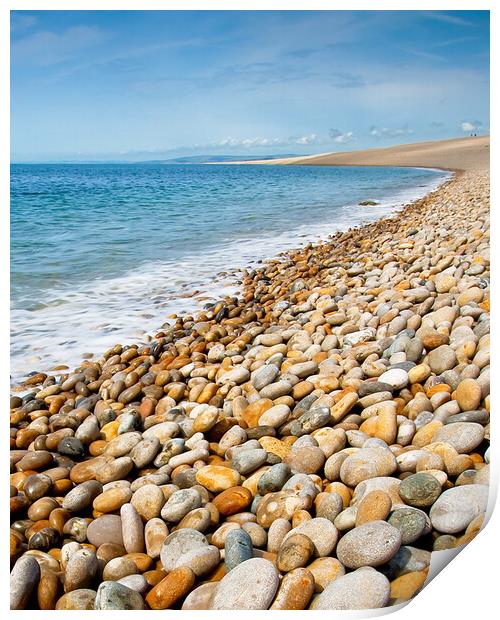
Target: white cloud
(468,126)
(386,132)
(340,137)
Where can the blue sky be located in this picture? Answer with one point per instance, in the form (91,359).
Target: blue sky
(134,85)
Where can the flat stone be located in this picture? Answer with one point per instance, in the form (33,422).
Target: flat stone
(320,531)
(367,463)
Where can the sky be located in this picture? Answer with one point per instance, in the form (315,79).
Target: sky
(139,85)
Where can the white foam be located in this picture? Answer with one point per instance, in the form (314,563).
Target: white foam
(96,315)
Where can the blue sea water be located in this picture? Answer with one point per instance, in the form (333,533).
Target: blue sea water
(103,253)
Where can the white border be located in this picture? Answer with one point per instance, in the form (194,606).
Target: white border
(464,589)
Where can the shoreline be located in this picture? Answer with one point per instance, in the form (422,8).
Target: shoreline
(135,329)
(337,410)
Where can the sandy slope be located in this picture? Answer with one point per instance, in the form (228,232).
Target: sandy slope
(457,154)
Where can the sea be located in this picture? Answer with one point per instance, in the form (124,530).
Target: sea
(104,253)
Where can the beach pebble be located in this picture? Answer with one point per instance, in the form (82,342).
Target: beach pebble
(237,547)
(397,378)
(251,585)
(365,588)
(322,533)
(105,529)
(411,522)
(372,544)
(465,437)
(295,591)
(170,589)
(294,552)
(420,490)
(458,506)
(132,529)
(113,595)
(216,478)
(23,580)
(77,599)
(367,463)
(179,504)
(179,544)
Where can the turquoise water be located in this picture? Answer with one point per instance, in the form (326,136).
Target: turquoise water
(103,253)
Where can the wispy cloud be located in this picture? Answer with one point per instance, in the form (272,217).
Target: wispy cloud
(454,19)
(341,137)
(471,126)
(387,132)
(20,20)
(46,48)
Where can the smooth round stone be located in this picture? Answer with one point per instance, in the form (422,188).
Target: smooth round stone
(217,478)
(200,597)
(280,505)
(273,479)
(170,589)
(179,544)
(117,469)
(80,570)
(36,459)
(468,394)
(247,461)
(367,463)
(155,533)
(320,531)
(237,548)
(411,522)
(23,580)
(233,500)
(137,583)
(264,376)
(251,585)
(305,459)
(132,529)
(148,500)
(294,552)
(82,496)
(420,490)
(180,503)
(364,588)
(463,436)
(71,446)
(201,561)
(325,570)
(441,359)
(119,567)
(458,506)
(375,506)
(372,544)
(145,451)
(295,591)
(114,595)
(276,533)
(112,499)
(407,560)
(397,378)
(105,529)
(275,416)
(37,486)
(77,599)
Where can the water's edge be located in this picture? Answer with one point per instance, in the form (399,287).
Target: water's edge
(156,290)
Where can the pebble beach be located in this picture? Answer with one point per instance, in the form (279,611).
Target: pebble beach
(306,444)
